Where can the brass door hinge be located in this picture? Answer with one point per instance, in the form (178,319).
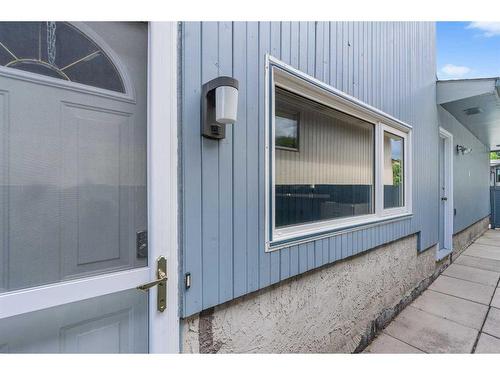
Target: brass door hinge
(161,282)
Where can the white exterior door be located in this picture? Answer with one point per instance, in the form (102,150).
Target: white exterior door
(74,183)
(445,193)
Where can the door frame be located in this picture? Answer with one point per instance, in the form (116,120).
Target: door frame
(448,205)
(162,180)
(162,210)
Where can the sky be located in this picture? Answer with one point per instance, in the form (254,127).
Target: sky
(468,50)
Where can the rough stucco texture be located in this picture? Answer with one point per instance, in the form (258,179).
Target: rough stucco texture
(464,238)
(327,310)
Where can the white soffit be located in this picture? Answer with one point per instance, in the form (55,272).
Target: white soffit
(476,104)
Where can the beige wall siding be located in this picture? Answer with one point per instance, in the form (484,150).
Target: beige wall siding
(331,151)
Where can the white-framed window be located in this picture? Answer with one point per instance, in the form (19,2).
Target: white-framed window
(333,163)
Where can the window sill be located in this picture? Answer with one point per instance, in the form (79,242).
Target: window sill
(282,241)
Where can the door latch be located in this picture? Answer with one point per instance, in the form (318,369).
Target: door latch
(161,282)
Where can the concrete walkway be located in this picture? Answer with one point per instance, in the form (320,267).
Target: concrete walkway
(458,313)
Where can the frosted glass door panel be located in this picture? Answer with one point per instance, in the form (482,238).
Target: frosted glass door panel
(73,171)
(115,323)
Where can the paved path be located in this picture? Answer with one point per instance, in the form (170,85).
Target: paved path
(458,313)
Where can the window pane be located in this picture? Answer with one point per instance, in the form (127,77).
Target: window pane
(393,171)
(332,174)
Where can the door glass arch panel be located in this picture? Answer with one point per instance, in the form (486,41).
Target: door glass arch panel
(58,50)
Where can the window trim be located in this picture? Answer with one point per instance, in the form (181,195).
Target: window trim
(278,73)
(382,128)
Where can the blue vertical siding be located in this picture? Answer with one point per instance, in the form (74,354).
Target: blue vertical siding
(388,65)
(471,174)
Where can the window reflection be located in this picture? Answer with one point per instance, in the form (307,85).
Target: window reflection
(393,171)
(332,173)
(286,130)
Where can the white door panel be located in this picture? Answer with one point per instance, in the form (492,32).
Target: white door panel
(98,218)
(445,220)
(115,323)
(442,192)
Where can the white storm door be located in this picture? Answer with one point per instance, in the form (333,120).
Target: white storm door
(445,220)
(74,199)
(442,193)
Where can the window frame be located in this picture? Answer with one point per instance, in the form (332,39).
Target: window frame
(282,75)
(383,128)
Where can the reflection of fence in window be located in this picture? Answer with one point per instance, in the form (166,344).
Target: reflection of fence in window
(297,204)
(393,196)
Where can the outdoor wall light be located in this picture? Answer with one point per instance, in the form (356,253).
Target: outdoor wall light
(219,106)
(464,150)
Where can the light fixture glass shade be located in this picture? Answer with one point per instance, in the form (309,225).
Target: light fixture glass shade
(226,104)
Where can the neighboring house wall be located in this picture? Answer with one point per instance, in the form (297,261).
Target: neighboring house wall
(470,174)
(391,66)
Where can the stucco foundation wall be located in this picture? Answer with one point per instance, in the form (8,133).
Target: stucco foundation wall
(464,238)
(328,310)
(337,308)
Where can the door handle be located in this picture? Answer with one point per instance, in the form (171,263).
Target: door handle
(444,198)
(161,282)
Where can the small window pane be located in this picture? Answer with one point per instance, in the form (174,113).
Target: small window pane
(332,174)
(498,175)
(393,171)
(286,131)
